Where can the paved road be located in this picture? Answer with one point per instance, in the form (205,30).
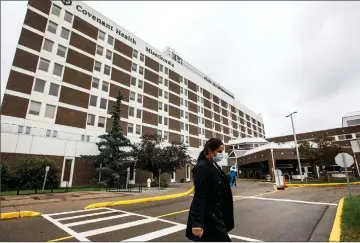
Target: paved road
(297,214)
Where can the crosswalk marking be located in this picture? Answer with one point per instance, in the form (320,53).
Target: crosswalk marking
(172,227)
(78,236)
(288,200)
(158,234)
(77,211)
(96,220)
(117,227)
(85,215)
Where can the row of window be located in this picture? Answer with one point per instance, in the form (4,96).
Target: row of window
(35,108)
(52,27)
(56,10)
(91,120)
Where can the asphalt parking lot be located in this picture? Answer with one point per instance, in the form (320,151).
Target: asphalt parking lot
(261,214)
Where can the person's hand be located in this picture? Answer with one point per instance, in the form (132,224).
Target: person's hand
(198,232)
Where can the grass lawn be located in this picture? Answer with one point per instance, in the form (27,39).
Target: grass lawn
(59,190)
(350,220)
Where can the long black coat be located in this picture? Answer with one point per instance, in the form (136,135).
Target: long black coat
(212,205)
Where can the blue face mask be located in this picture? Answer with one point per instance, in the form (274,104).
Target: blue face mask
(218,157)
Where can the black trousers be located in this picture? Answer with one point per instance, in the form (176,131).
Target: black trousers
(214,235)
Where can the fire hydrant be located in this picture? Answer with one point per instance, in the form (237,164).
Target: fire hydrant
(148,182)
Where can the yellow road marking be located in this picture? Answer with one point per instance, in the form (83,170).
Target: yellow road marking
(63,238)
(169,214)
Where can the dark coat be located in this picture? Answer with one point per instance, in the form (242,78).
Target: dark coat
(212,205)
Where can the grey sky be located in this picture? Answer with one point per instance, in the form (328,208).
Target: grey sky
(275,56)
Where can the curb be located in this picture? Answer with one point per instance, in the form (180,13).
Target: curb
(21,214)
(324,184)
(140,200)
(336,229)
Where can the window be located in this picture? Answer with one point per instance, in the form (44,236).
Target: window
(52,27)
(159,133)
(93,100)
(160,92)
(161,68)
(138,113)
(20,129)
(182,139)
(39,85)
(34,108)
(142,57)
(139,98)
(82,137)
(48,133)
(132,96)
(185,81)
(166,94)
(95,83)
(160,119)
(131,111)
(101,35)
(165,107)
(181,79)
(186,139)
(101,121)
(186,103)
(130,128)
(160,106)
(182,126)
(28,130)
(186,114)
(353,122)
(166,135)
(48,45)
(61,51)
(135,53)
(187,127)
(103,103)
(99,50)
(182,113)
(133,81)
(181,90)
(166,82)
(68,17)
(138,129)
(44,65)
(105,86)
(97,66)
(55,10)
(165,121)
(58,69)
(107,70)
(186,92)
(54,134)
(141,70)
(65,33)
(181,101)
(160,80)
(91,119)
(108,54)
(54,89)
(134,67)
(166,70)
(110,40)
(50,111)
(140,84)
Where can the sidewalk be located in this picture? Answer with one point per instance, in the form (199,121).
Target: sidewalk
(58,202)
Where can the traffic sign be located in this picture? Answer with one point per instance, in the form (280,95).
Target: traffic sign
(344,159)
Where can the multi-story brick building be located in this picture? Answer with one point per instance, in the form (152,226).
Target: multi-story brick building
(69,63)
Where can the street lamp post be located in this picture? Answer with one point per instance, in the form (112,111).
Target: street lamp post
(296,146)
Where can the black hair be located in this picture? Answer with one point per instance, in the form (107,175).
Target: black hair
(211,145)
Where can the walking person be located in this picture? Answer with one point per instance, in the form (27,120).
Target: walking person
(211,214)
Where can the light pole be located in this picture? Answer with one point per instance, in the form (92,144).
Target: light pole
(296,146)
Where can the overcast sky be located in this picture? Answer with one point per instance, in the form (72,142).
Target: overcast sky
(276,57)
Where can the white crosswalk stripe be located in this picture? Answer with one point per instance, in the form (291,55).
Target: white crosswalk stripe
(85,219)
